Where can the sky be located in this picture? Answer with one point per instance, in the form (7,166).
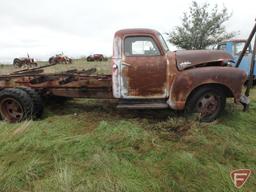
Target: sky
(78,28)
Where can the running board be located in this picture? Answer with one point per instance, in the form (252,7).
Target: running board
(143,106)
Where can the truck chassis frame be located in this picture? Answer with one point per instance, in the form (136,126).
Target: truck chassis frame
(72,83)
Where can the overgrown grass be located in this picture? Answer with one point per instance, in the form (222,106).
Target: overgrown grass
(89,145)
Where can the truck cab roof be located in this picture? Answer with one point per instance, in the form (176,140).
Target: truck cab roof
(234,40)
(136,31)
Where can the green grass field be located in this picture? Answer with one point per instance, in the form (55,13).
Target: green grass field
(89,145)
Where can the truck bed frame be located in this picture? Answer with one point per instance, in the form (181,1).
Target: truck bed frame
(72,83)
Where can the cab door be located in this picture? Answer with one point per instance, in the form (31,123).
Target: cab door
(143,68)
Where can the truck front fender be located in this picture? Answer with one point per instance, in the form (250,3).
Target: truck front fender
(189,80)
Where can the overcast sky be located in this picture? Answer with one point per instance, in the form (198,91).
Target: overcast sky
(43,28)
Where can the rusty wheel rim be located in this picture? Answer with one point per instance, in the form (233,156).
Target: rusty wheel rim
(208,105)
(11,110)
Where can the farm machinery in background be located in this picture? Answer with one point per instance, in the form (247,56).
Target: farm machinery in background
(25,62)
(250,73)
(96,57)
(234,47)
(60,59)
(244,58)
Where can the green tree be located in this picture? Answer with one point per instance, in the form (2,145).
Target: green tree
(201,27)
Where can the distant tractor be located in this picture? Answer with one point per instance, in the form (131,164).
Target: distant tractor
(234,47)
(60,58)
(24,62)
(96,57)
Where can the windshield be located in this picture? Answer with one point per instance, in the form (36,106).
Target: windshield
(239,47)
(163,43)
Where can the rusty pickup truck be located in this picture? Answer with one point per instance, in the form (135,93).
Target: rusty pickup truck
(145,74)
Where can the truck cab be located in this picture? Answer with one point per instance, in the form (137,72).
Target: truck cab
(146,74)
(235,47)
(139,57)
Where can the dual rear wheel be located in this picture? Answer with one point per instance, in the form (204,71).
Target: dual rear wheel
(18,104)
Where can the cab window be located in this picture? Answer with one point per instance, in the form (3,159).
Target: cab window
(222,47)
(137,46)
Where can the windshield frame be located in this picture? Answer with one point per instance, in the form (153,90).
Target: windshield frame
(163,43)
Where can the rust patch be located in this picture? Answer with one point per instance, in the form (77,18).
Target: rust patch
(188,80)
(145,77)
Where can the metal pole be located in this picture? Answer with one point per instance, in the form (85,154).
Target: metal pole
(246,46)
(251,75)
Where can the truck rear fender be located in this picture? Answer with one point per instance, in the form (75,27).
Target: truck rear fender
(229,79)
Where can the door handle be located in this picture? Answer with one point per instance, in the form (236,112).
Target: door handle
(126,64)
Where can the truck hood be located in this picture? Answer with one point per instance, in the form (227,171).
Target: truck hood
(199,58)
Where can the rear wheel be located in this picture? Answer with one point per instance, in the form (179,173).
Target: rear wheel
(89,59)
(52,60)
(16,63)
(15,105)
(38,107)
(208,102)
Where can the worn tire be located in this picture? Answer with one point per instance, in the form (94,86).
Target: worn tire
(21,101)
(52,61)
(16,63)
(209,102)
(89,59)
(38,107)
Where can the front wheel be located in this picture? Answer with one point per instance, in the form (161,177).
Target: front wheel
(208,102)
